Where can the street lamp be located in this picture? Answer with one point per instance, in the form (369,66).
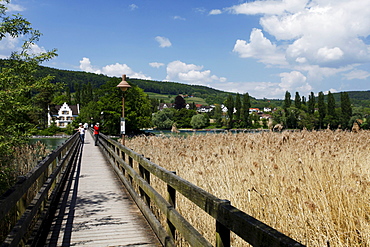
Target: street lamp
(123,85)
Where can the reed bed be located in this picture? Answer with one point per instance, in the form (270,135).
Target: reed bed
(24,159)
(312,186)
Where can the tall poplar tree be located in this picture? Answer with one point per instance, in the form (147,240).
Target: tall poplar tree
(311,103)
(346,107)
(287,101)
(245,110)
(297,101)
(238,107)
(230,109)
(321,108)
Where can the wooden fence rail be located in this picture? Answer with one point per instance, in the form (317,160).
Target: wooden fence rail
(42,185)
(135,171)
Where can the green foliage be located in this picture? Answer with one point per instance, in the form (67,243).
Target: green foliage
(345,104)
(321,108)
(245,110)
(229,103)
(183,117)
(21,92)
(287,100)
(52,130)
(163,119)
(199,121)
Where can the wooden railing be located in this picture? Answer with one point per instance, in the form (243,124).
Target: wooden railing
(42,185)
(135,171)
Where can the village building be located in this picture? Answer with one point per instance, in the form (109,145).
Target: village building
(62,115)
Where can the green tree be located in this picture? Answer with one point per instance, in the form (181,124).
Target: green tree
(287,100)
(199,121)
(217,115)
(311,103)
(179,102)
(331,116)
(321,108)
(163,119)
(18,86)
(137,107)
(245,110)
(346,107)
(238,107)
(183,117)
(297,101)
(230,109)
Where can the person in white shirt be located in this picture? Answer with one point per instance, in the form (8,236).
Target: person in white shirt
(81,129)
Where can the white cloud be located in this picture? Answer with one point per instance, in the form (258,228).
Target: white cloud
(133,7)
(259,47)
(7,46)
(319,38)
(179,18)
(156,64)
(14,7)
(215,12)
(111,70)
(190,73)
(357,74)
(294,81)
(163,41)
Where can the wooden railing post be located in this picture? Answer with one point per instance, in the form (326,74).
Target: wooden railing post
(131,164)
(145,174)
(222,232)
(171,198)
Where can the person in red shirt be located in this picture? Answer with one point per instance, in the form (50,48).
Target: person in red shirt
(96,133)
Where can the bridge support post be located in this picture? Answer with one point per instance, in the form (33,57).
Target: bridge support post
(222,232)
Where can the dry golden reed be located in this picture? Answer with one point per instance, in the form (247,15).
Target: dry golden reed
(311,186)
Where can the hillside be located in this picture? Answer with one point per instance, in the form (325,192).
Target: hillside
(168,90)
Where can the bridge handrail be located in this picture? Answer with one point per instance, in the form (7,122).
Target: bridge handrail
(47,176)
(228,218)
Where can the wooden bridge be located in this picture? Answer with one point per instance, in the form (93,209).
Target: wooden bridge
(101,196)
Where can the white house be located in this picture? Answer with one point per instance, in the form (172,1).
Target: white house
(62,115)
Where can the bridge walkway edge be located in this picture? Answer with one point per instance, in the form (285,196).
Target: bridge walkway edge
(95,209)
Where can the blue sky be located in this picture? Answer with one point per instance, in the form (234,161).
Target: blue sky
(263,47)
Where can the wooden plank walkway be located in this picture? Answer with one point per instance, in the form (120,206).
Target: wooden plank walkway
(95,209)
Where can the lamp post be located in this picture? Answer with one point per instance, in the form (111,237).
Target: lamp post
(123,85)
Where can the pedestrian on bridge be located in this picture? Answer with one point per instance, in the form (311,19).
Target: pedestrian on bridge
(81,129)
(96,133)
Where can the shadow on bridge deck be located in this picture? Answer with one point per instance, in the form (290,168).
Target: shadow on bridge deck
(95,209)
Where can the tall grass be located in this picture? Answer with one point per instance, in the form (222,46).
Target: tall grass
(23,159)
(311,186)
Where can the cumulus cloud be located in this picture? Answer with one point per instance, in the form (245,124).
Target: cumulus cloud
(259,47)
(163,41)
(190,73)
(156,64)
(294,81)
(116,69)
(7,45)
(308,36)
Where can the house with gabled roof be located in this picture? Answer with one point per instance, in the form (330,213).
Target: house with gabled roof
(62,115)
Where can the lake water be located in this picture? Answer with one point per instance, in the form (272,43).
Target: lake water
(50,142)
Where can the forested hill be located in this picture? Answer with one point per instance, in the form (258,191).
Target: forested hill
(73,79)
(79,78)
(212,96)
